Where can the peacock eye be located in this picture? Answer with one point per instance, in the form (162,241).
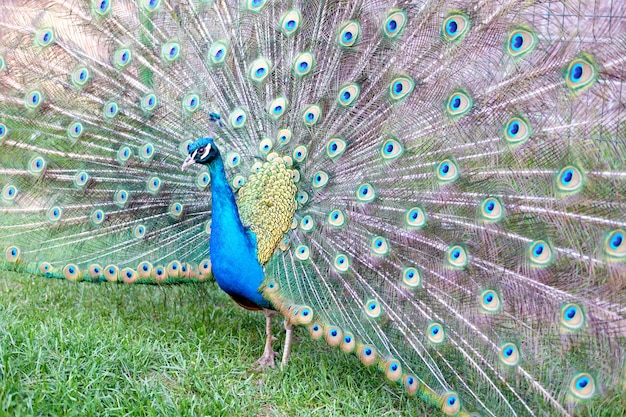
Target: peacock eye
(201,150)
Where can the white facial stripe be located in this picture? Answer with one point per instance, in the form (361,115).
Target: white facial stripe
(206,152)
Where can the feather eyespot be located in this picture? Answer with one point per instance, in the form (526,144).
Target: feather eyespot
(455,26)
(349,34)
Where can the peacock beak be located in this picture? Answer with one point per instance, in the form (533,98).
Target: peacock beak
(189,160)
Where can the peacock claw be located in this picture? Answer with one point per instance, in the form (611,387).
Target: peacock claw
(266,360)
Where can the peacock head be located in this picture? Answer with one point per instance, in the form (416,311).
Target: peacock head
(202,151)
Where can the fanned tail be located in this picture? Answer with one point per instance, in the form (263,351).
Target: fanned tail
(461,216)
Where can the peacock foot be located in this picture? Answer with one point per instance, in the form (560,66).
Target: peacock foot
(266,360)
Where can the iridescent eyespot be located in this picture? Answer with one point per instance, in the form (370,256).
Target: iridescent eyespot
(144,269)
(153,185)
(312,114)
(411,384)
(233,159)
(509,354)
(97,217)
(37,165)
(283,136)
(202,180)
(337,218)
(101,7)
(316,331)
(4,131)
(302,197)
(373,309)
(540,253)
(255,5)
(394,23)
(490,301)
(583,386)
(266,145)
(111,272)
(435,333)
(349,34)
(80,76)
(75,130)
(44,37)
(71,272)
(122,58)
(581,73)
(348,94)
(400,87)
(367,354)
(95,271)
(290,22)
(491,209)
(392,370)
(572,316)
(447,171)
(455,26)
(570,179)
(411,277)
(307,223)
(151,6)
(366,193)
(300,153)
(320,179)
(170,51)
(237,118)
(302,252)
(3,63)
(451,403)
(217,53)
(121,197)
(615,244)
(391,149)
(146,152)
(9,192)
(12,254)
(110,110)
(521,42)
(124,154)
(348,344)
(379,245)
(33,99)
(335,147)
(54,214)
(176,210)
(81,179)
(333,335)
(517,130)
(191,102)
(416,217)
(457,257)
(149,102)
(139,231)
(459,103)
(259,70)
(341,263)
(238,181)
(277,107)
(303,64)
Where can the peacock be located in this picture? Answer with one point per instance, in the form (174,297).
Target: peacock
(438,188)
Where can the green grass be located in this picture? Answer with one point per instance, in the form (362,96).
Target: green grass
(101,349)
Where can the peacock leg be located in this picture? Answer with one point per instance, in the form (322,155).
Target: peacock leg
(288,338)
(267,359)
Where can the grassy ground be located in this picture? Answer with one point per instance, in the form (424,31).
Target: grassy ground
(102,349)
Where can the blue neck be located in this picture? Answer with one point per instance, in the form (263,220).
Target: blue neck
(233,254)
